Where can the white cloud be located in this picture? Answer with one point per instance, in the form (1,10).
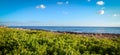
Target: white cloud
(116,15)
(59,3)
(100,3)
(67,2)
(88,0)
(37,6)
(101,12)
(41,6)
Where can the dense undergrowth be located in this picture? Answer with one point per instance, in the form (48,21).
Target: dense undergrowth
(32,42)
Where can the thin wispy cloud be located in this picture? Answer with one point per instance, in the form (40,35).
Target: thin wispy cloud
(65,12)
(89,0)
(67,2)
(41,6)
(59,3)
(100,3)
(115,15)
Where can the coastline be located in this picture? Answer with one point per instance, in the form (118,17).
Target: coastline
(98,35)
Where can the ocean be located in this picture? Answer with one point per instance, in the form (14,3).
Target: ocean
(79,29)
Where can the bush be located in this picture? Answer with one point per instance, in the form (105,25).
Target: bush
(32,42)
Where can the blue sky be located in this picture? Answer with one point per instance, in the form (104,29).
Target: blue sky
(60,12)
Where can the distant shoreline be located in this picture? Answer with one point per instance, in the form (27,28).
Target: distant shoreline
(109,35)
(79,29)
(98,35)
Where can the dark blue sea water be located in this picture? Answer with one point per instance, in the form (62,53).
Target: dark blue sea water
(113,30)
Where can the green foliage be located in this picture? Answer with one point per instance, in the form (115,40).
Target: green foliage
(32,42)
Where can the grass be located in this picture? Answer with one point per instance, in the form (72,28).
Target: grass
(34,42)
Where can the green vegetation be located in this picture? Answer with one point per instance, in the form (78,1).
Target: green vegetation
(33,42)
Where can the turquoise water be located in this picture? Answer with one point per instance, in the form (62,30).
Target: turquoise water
(113,30)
